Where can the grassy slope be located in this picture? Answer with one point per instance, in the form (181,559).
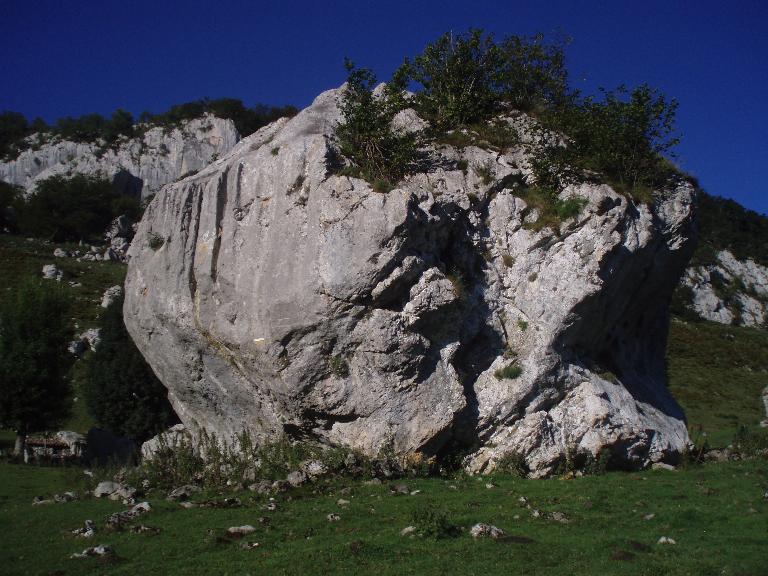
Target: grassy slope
(20,257)
(717,373)
(716,513)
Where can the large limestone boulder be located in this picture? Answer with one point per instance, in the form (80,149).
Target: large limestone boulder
(138,166)
(273,296)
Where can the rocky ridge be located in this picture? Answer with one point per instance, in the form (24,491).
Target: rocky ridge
(273,296)
(138,166)
(731,291)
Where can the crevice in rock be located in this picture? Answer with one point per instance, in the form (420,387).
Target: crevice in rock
(221,202)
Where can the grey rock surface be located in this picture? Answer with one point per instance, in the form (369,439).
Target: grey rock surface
(285,299)
(138,166)
(730,292)
(52,272)
(172,438)
(110,295)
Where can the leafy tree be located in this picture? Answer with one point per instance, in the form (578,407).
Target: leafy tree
(622,136)
(13,127)
(459,76)
(726,225)
(122,393)
(533,73)
(10,196)
(73,208)
(34,361)
(366,138)
(626,133)
(120,124)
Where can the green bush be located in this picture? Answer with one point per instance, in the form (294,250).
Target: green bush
(570,207)
(513,463)
(510,372)
(338,366)
(533,74)
(432,521)
(458,76)
(365,136)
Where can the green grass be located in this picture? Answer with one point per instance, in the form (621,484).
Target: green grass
(717,373)
(20,257)
(716,513)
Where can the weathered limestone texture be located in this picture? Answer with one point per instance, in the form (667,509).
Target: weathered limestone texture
(271,295)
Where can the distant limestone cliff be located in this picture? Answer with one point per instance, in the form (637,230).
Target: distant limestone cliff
(138,166)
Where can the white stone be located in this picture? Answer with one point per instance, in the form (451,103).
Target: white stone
(110,295)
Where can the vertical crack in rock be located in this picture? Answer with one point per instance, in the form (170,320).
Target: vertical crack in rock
(221,203)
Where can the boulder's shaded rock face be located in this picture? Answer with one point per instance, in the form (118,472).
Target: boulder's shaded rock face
(139,166)
(730,291)
(271,295)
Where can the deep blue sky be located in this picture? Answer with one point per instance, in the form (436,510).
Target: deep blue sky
(75,57)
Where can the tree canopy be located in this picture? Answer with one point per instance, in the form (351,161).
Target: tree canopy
(122,393)
(34,360)
(72,209)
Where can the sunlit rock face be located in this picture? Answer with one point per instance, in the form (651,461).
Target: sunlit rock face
(729,291)
(138,166)
(273,296)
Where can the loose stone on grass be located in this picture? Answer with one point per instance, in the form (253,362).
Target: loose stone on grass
(100,550)
(87,531)
(486,531)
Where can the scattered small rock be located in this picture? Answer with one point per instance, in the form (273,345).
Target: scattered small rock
(110,295)
(333,517)
(342,502)
(249,545)
(100,550)
(399,489)
(187,504)
(106,488)
(313,467)
(486,531)
(87,531)
(240,531)
(119,518)
(51,272)
(262,487)
(408,530)
(372,482)
(559,517)
(296,478)
(490,485)
(183,493)
(40,501)
(59,253)
(536,513)
(666,540)
(649,516)
(663,466)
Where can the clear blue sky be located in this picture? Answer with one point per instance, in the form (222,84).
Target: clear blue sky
(80,56)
